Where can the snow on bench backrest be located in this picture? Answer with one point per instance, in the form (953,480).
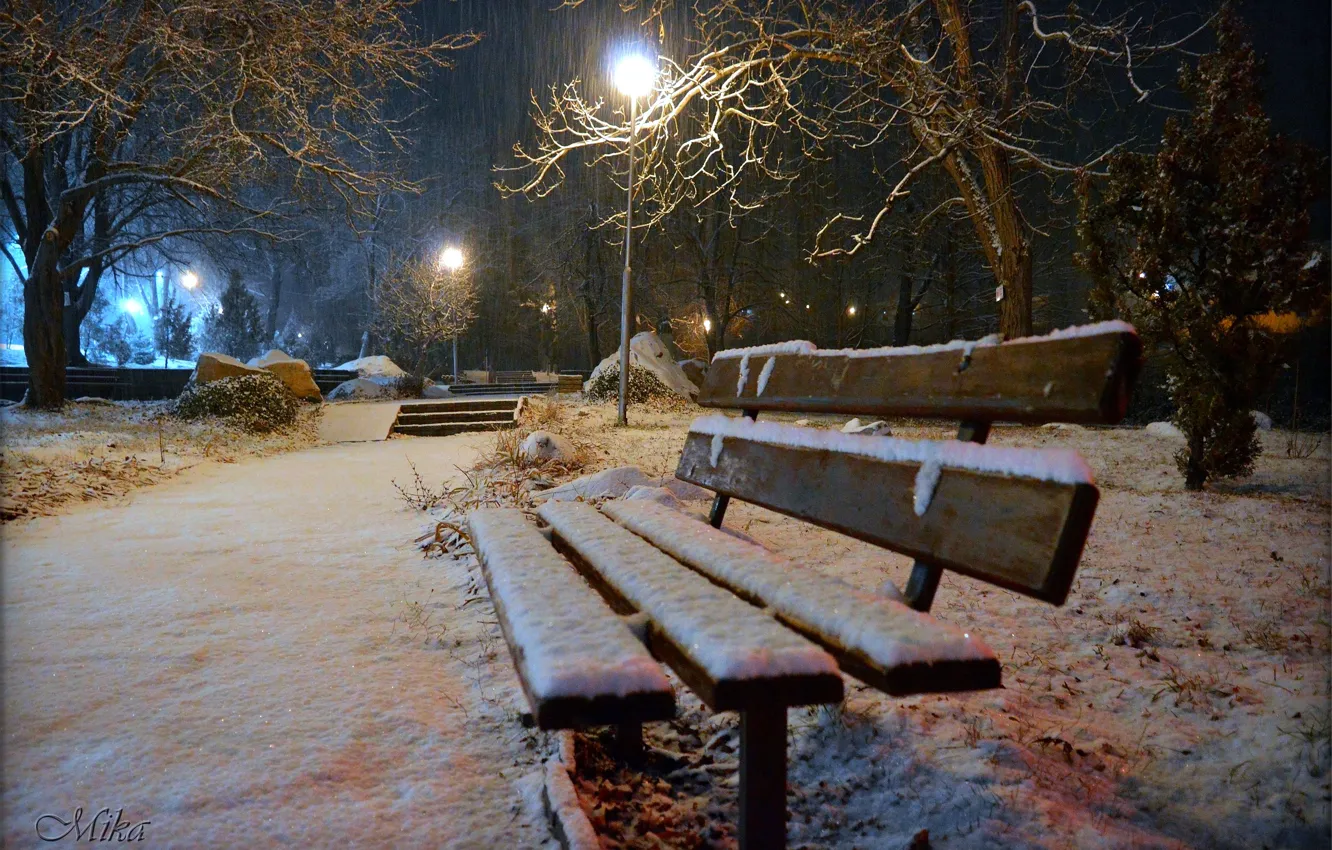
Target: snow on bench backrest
(1014,517)
(1081,374)
(578,661)
(732,651)
(882,641)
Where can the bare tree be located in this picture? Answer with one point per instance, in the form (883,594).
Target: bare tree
(420,306)
(182,105)
(984,97)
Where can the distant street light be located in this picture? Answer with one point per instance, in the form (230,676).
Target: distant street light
(707,325)
(189,280)
(851,311)
(634,75)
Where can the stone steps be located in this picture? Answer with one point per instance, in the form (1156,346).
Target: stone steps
(454,416)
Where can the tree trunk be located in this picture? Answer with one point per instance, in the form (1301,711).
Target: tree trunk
(902,318)
(44,329)
(593,344)
(74,337)
(1014,275)
(275,298)
(1195,473)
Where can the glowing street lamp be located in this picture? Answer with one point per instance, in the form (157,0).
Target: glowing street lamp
(451,258)
(851,311)
(634,76)
(189,280)
(707,325)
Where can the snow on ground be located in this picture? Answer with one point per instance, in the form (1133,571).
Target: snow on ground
(255,655)
(1179,699)
(13,354)
(97,450)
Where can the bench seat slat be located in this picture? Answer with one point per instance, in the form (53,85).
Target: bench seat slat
(730,653)
(985,516)
(579,664)
(882,642)
(1080,375)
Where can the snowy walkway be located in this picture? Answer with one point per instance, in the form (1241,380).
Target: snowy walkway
(216,657)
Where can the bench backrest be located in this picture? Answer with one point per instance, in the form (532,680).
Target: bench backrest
(1017,518)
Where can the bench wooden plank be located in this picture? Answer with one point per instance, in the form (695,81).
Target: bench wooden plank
(1071,378)
(879,641)
(729,653)
(579,664)
(1022,533)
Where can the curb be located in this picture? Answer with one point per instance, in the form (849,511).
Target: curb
(567,819)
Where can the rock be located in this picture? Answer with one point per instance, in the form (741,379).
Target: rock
(89,399)
(647,351)
(436,391)
(877,428)
(1165,430)
(274,355)
(376,366)
(695,370)
(617,482)
(359,388)
(1063,426)
(660,495)
(1262,420)
(212,366)
(801,423)
(543,445)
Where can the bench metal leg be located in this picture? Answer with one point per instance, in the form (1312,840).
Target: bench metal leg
(629,742)
(763,778)
(719,502)
(924,579)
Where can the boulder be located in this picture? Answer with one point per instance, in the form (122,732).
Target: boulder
(1262,420)
(543,445)
(647,351)
(377,366)
(213,366)
(274,355)
(359,388)
(295,374)
(617,482)
(695,370)
(1165,430)
(877,428)
(436,391)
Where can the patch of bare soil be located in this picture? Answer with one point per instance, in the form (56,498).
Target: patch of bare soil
(95,451)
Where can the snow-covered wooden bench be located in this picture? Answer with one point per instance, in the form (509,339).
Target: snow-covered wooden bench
(750,631)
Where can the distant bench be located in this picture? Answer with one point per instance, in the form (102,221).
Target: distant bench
(748,630)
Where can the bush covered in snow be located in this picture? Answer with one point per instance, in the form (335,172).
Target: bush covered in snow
(643,386)
(254,403)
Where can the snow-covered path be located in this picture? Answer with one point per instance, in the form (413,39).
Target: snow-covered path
(219,657)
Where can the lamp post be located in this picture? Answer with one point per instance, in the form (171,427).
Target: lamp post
(452,259)
(633,77)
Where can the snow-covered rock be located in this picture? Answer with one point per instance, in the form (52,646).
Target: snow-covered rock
(647,350)
(877,428)
(1063,426)
(1165,430)
(374,366)
(695,370)
(359,388)
(660,495)
(617,482)
(436,391)
(213,366)
(292,372)
(1262,420)
(543,445)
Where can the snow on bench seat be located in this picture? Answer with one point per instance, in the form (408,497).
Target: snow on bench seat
(878,640)
(730,653)
(579,663)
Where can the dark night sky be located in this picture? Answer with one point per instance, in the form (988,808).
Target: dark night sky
(1293,36)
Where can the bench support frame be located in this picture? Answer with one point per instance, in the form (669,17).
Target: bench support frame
(763,777)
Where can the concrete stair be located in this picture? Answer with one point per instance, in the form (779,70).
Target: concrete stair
(455,416)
